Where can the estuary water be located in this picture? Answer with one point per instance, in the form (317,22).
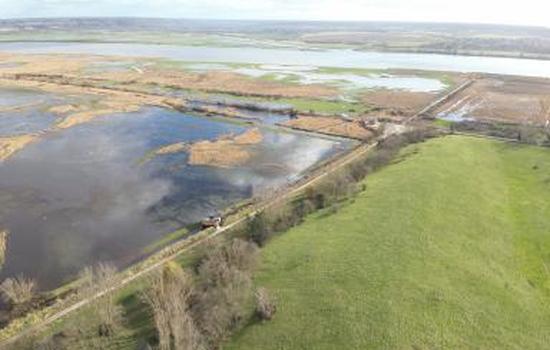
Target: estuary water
(345,58)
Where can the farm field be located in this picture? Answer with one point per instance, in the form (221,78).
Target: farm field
(446,248)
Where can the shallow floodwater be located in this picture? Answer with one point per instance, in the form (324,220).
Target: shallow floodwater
(350,81)
(85,194)
(24,111)
(328,58)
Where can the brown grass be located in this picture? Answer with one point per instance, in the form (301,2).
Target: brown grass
(45,64)
(10,145)
(63,109)
(397,103)
(226,82)
(228,151)
(171,149)
(331,126)
(89,115)
(506,99)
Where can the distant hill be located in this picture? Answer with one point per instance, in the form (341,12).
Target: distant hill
(445,38)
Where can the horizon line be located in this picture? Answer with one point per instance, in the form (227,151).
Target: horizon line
(276,20)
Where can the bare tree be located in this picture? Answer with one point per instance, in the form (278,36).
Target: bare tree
(18,290)
(544,109)
(225,289)
(154,297)
(100,278)
(169,298)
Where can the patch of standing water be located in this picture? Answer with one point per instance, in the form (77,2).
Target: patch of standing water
(348,80)
(24,111)
(109,67)
(458,115)
(460,111)
(84,195)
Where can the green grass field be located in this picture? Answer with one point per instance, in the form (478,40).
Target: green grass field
(449,248)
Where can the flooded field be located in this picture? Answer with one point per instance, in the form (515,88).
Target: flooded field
(347,81)
(328,58)
(501,99)
(20,111)
(93,192)
(103,174)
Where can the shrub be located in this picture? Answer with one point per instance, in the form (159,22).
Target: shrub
(259,229)
(18,290)
(265,307)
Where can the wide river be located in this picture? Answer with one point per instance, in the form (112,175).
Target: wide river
(328,58)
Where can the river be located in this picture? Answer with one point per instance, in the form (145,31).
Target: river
(345,58)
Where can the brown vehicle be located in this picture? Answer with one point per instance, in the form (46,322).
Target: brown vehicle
(212,221)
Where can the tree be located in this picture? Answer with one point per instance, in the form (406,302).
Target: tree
(102,277)
(544,110)
(225,288)
(259,229)
(18,290)
(169,298)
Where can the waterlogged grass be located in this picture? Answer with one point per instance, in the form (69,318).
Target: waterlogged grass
(325,106)
(446,249)
(356,71)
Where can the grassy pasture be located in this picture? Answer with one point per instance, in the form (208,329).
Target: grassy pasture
(448,248)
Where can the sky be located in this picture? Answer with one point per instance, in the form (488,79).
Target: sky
(524,12)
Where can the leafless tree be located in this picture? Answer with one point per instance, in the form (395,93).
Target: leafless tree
(154,297)
(18,290)
(225,288)
(101,278)
(544,110)
(169,298)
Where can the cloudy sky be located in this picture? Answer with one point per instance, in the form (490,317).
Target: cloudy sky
(528,12)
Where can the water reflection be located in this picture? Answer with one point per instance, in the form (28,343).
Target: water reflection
(82,195)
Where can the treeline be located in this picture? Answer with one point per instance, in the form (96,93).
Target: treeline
(528,134)
(199,309)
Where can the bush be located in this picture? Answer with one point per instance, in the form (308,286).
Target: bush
(265,307)
(18,290)
(259,229)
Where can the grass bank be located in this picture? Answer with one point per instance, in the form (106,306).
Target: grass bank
(447,248)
